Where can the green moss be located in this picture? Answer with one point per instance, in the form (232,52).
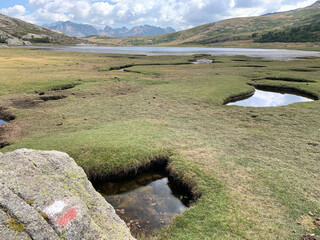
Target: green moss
(14,225)
(30,202)
(44,216)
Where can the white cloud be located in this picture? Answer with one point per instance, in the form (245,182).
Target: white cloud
(15,11)
(179,14)
(38,3)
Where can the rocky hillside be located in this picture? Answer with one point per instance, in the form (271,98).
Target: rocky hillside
(17,32)
(45,195)
(249,29)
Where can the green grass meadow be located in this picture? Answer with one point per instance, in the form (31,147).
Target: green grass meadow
(257,170)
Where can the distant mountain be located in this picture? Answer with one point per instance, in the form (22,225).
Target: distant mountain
(316,3)
(17,32)
(145,30)
(82,30)
(73,29)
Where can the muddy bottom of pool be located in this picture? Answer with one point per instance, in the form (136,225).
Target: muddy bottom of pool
(147,202)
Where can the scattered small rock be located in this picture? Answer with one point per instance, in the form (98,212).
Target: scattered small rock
(60,124)
(311,213)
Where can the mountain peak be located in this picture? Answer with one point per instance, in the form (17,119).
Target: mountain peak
(316,3)
(81,30)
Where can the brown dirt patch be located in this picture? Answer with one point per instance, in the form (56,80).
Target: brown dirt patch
(317,222)
(26,103)
(5,115)
(123,89)
(52,98)
(309,237)
(10,132)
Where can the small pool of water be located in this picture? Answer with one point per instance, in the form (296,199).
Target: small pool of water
(2,122)
(202,61)
(270,99)
(146,203)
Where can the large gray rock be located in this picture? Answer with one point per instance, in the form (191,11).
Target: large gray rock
(14,42)
(45,195)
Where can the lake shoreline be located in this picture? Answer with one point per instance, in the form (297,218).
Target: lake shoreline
(270,54)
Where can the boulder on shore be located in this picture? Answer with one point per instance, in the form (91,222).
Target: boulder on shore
(45,195)
(17,42)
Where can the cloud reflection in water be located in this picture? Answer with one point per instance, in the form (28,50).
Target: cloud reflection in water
(270,99)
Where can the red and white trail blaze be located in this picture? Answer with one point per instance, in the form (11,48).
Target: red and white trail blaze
(67,217)
(56,208)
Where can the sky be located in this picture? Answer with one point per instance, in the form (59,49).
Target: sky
(179,14)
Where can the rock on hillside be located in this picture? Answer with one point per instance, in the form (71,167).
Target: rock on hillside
(45,195)
(17,32)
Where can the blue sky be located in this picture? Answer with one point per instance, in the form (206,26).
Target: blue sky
(10,3)
(179,14)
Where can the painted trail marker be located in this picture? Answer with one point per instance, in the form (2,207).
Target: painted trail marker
(67,217)
(56,208)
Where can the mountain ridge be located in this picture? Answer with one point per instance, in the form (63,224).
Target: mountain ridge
(245,29)
(14,31)
(83,30)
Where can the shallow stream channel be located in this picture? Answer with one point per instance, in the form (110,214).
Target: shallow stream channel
(147,201)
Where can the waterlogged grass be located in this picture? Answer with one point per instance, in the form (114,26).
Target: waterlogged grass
(256,169)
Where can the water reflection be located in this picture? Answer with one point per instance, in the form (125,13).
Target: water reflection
(203,61)
(2,122)
(145,203)
(270,99)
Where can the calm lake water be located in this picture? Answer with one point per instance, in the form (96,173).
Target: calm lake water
(274,54)
(270,99)
(146,203)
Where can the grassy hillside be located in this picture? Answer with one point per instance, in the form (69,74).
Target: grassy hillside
(308,32)
(229,31)
(15,28)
